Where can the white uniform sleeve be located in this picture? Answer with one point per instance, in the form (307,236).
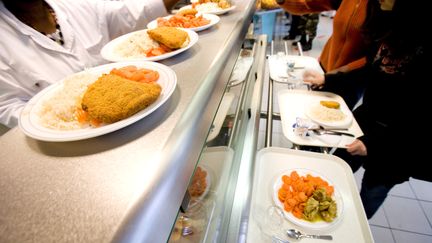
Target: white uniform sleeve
(146,11)
(128,15)
(11,100)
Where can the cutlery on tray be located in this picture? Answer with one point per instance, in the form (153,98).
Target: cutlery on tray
(295,234)
(322,131)
(328,132)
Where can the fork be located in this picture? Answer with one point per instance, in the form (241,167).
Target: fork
(330,132)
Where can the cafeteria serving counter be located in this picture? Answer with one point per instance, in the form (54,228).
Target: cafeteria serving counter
(128,185)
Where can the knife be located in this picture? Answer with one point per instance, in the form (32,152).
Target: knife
(330,132)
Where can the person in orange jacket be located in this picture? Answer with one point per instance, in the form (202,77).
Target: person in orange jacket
(345,50)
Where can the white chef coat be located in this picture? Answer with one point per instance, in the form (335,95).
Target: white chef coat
(30,61)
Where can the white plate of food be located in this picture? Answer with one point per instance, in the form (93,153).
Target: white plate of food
(209,8)
(316,214)
(51,114)
(293,105)
(137,45)
(213,20)
(200,185)
(329,113)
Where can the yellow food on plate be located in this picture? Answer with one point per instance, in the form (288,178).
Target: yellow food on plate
(330,104)
(113,98)
(188,11)
(323,113)
(220,3)
(169,36)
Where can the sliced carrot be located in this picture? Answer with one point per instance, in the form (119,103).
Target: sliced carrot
(135,74)
(286,179)
(282,194)
(288,207)
(81,115)
(302,197)
(95,122)
(83,118)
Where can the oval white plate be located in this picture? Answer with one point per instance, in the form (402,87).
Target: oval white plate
(214,19)
(29,118)
(345,123)
(215,11)
(109,54)
(320,225)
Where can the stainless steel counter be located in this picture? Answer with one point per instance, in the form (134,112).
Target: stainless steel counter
(127,185)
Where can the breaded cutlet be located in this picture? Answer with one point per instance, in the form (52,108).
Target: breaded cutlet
(188,11)
(113,98)
(170,36)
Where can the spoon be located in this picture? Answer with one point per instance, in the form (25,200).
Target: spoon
(295,234)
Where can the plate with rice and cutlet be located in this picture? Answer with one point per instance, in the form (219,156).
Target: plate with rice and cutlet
(149,44)
(97,101)
(217,7)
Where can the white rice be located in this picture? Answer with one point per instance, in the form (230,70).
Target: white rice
(325,114)
(58,111)
(136,45)
(207,7)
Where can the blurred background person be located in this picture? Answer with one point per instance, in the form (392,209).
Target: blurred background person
(307,29)
(294,27)
(345,49)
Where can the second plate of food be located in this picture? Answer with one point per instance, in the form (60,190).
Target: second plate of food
(308,199)
(329,113)
(197,22)
(149,45)
(209,8)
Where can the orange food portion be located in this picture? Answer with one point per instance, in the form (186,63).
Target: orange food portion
(136,74)
(183,21)
(296,190)
(83,117)
(157,51)
(199,183)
